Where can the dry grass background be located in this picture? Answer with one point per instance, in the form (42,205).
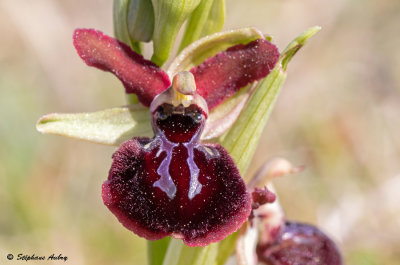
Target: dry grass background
(338,114)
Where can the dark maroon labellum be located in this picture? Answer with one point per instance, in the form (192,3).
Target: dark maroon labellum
(300,244)
(173,185)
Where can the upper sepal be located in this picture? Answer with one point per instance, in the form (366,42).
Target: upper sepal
(139,76)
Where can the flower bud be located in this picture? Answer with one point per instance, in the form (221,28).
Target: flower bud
(133,22)
(140,20)
(169,17)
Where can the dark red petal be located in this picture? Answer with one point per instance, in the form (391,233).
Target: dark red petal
(139,76)
(300,244)
(221,76)
(219,209)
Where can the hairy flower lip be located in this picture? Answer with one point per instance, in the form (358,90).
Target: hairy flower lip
(224,203)
(172,184)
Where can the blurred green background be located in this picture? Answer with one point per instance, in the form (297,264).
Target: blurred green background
(338,114)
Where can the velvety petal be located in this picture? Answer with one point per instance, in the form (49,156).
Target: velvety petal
(139,76)
(300,244)
(221,76)
(219,209)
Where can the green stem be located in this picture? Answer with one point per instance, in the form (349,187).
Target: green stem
(156,250)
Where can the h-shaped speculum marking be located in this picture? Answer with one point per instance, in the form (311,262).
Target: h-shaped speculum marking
(182,92)
(165,183)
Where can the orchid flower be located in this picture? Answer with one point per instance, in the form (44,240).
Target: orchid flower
(172,184)
(164,179)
